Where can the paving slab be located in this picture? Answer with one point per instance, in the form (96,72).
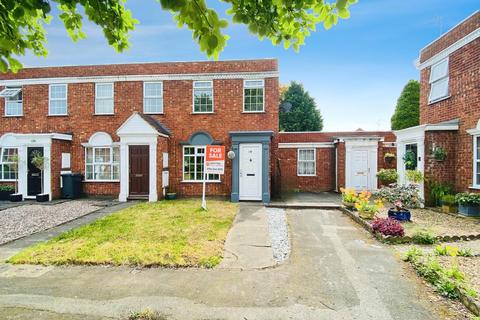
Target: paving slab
(248,244)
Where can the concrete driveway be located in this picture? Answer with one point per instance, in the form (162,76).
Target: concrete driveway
(336,271)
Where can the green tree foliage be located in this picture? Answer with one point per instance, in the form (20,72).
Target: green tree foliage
(281,21)
(301,113)
(407,111)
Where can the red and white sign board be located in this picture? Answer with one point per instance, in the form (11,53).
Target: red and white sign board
(215,159)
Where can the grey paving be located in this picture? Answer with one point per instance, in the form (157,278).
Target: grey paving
(308,200)
(335,271)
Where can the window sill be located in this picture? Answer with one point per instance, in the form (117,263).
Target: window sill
(6,180)
(57,115)
(306,175)
(438,100)
(100,181)
(197,181)
(253,112)
(212,112)
(474,187)
(13,116)
(104,114)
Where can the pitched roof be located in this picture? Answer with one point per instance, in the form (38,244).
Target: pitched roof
(156,124)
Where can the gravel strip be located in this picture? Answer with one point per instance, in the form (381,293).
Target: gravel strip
(278,229)
(24,220)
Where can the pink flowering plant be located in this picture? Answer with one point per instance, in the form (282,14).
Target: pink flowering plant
(388,227)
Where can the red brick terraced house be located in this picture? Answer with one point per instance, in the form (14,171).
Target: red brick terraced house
(449,111)
(328,161)
(136,130)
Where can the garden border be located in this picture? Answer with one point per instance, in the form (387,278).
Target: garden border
(405,239)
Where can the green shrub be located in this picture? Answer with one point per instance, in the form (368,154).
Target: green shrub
(387,175)
(6,187)
(447,251)
(448,199)
(414,176)
(466,252)
(437,191)
(413,254)
(423,237)
(466,198)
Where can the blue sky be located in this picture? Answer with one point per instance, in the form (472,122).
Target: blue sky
(355,71)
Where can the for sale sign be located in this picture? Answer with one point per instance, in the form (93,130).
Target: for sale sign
(215,159)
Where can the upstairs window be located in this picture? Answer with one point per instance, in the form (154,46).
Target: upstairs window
(102,164)
(104,98)
(202,96)
(57,105)
(8,164)
(13,101)
(153,97)
(253,95)
(306,162)
(438,81)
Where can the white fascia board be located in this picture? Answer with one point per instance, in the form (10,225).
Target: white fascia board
(449,50)
(154,77)
(433,127)
(296,145)
(410,133)
(359,138)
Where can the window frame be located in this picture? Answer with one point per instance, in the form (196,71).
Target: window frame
(433,82)
(314,174)
(193,96)
(153,97)
(103,98)
(7,99)
(476,160)
(195,165)
(253,87)
(2,163)
(111,163)
(57,99)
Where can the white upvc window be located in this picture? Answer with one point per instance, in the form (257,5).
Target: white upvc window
(13,101)
(203,96)
(306,162)
(8,165)
(438,81)
(104,98)
(253,95)
(193,158)
(153,97)
(57,102)
(476,161)
(102,163)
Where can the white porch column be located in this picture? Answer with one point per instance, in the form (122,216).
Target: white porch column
(153,194)
(22,170)
(123,172)
(47,172)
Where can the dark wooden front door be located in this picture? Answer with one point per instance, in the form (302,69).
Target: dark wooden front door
(34,178)
(139,171)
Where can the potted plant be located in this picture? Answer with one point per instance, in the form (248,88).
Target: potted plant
(366,209)
(448,204)
(170,196)
(410,160)
(5,191)
(15,197)
(389,157)
(349,197)
(399,212)
(468,204)
(387,176)
(38,160)
(414,176)
(439,154)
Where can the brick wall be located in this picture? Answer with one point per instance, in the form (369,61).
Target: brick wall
(463,103)
(128,97)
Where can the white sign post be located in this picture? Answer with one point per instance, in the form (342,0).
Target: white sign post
(214,163)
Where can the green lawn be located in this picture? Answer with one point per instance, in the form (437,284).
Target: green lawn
(167,233)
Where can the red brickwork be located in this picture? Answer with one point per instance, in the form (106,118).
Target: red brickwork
(128,97)
(463,104)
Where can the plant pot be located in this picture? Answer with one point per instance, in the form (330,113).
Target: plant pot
(402,215)
(16,197)
(366,215)
(449,208)
(171,196)
(5,195)
(42,197)
(469,210)
(349,205)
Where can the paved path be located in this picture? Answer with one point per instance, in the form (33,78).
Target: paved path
(336,271)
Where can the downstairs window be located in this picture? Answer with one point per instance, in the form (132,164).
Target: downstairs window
(102,163)
(193,158)
(8,164)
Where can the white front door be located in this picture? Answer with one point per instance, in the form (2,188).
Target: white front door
(360,170)
(250,174)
